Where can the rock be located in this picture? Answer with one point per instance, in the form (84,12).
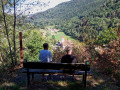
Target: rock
(99,49)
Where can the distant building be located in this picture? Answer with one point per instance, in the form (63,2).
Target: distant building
(62,42)
(62,39)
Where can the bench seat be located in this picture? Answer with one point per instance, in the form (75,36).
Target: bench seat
(47,71)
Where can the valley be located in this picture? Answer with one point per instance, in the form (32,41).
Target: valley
(90,27)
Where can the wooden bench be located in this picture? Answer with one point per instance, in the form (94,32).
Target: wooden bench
(55,68)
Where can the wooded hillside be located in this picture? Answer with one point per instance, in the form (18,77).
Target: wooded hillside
(98,27)
(67,10)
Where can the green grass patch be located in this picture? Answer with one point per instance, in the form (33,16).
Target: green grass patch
(59,35)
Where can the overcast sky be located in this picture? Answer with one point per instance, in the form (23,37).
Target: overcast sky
(28,7)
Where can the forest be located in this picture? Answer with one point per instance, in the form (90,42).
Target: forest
(98,27)
(90,27)
(73,8)
(58,14)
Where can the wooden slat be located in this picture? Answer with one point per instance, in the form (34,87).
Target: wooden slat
(39,71)
(56,66)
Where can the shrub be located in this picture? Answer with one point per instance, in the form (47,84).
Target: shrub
(106,36)
(79,51)
(33,43)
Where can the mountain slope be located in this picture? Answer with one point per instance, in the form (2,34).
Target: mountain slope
(98,26)
(67,10)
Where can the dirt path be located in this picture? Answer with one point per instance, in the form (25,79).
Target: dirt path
(17,81)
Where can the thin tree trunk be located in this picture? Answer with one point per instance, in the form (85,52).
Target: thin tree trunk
(7,33)
(14,33)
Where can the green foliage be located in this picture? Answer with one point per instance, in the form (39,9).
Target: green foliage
(95,25)
(64,11)
(106,36)
(53,39)
(33,43)
(4,47)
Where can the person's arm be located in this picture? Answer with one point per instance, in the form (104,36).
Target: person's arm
(50,57)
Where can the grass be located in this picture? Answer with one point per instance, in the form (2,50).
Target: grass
(58,85)
(59,35)
(9,86)
(65,85)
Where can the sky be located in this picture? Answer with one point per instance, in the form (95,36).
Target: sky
(28,7)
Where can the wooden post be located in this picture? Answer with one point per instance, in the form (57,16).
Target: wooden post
(28,77)
(21,49)
(32,76)
(85,76)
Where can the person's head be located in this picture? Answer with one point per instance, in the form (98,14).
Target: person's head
(45,46)
(68,50)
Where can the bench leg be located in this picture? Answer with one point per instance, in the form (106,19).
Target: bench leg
(32,76)
(73,78)
(28,79)
(65,77)
(84,78)
(50,76)
(43,77)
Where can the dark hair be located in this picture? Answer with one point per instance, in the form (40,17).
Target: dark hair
(45,45)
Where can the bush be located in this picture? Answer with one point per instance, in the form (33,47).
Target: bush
(33,43)
(79,51)
(108,61)
(106,36)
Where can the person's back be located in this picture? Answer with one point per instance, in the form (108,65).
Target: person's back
(68,58)
(45,55)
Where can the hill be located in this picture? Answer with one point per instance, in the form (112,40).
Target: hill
(67,10)
(98,27)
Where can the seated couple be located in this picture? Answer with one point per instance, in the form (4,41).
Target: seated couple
(46,56)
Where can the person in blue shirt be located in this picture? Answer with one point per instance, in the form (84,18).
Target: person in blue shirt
(45,55)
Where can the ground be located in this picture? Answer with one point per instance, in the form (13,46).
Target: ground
(16,80)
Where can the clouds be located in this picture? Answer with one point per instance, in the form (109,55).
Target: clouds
(28,7)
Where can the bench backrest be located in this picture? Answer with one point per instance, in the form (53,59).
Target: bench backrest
(56,66)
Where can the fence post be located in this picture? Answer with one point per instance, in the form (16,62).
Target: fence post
(21,49)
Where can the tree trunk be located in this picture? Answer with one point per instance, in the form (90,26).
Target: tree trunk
(7,33)
(14,34)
